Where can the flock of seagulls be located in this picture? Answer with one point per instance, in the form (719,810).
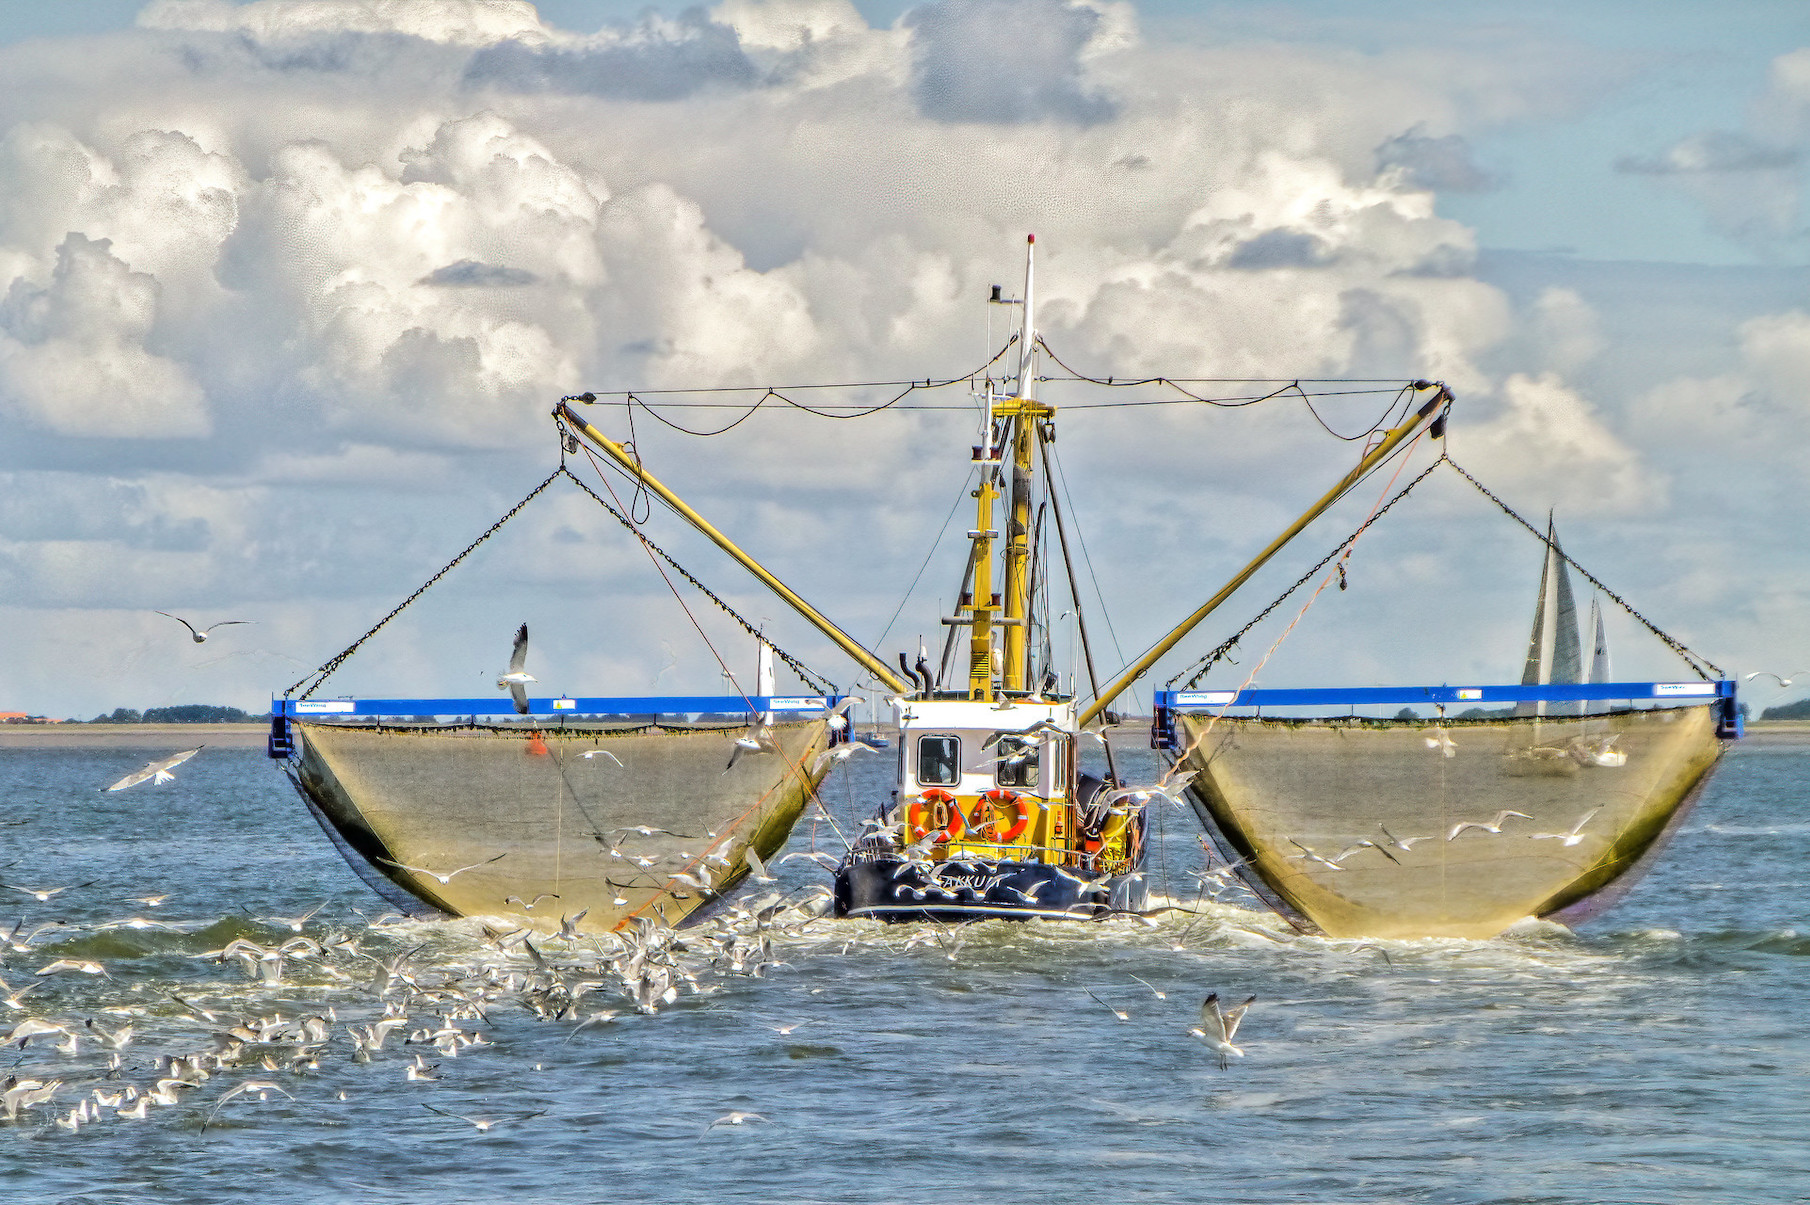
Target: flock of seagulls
(392,1003)
(1495,826)
(373,996)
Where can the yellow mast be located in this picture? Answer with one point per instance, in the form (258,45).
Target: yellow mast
(843,640)
(1375,457)
(1021,412)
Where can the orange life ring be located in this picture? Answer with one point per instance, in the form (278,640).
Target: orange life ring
(1001,799)
(919,815)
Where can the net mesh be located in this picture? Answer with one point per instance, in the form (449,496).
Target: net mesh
(436,799)
(1299,798)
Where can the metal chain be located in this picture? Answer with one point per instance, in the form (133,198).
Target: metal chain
(816,682)
(1696,661)
(320,675)
(1213,658)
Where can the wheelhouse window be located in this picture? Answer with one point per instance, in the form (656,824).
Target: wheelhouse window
(939,760)
(1017,761)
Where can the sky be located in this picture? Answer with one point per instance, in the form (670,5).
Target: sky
(288,289)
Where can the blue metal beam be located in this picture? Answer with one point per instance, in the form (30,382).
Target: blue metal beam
(560,706)
(1341,696)
(1729,723)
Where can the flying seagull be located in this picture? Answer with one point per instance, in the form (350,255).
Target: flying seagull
(1217,1029)
(448,876)
(1491,826)
(1574,835)
(158,771)
(516,680)
(484,1125)
(201,635)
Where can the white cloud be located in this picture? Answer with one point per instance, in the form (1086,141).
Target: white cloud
(457,22)
(1548,444)
(73,355)
(353,252)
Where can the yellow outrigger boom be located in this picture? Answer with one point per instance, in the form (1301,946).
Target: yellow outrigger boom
(817,619)
(1375,457)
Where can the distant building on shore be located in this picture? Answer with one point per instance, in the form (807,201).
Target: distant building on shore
(20,717)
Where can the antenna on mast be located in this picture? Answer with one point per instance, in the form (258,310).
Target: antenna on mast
(1027,359)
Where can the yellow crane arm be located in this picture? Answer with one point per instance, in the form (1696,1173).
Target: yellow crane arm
(633,467)
(1375,457)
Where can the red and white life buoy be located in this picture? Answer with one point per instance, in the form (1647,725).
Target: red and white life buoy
(934,811)
(1007,803)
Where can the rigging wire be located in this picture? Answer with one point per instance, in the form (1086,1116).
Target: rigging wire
(333,663)
(648,547)
(1376,508)
(1695,660)
(816,681)
(935,544)
(1069,501)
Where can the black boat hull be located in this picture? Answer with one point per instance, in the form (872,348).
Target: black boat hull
(887,888)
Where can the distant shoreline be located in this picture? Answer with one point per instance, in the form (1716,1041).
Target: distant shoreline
(133,736)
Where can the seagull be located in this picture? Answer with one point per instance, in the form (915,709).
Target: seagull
(758,739)
(645,831)
(1493,826)
(448,876)
(733,1118)
(837,716)
(757,869)
(1217,1029)
(827,861)
(1440,741)
(158,771)
(516,680)
(1402,843)
(484,1125)
(1361,845)
(1025,734)
(201,635)
(82,965)
(1146,983)
(295,923)
(42,895)
(1309,855)
(1766,673)
(601,753)
(1569,838)
(1119,1013)
(262,1087)
(528,905)
(839,754)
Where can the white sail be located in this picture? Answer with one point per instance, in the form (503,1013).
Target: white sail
(1599,654)
(1554,653)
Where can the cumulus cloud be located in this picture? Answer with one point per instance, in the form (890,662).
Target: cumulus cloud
(1443,164)
(657,60)
(73,354)
(1548,442)
(1712,151)
(456,22)
(1005,61)
(351,252)
(1750,182)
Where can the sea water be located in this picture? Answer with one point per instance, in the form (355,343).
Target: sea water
(1658,1055)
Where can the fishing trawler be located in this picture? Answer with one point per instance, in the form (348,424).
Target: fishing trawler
(620,808)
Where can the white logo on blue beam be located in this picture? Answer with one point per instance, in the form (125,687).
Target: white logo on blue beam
(1674,689)
(565,704)
(1205,698)
(325,707)
(779,704)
